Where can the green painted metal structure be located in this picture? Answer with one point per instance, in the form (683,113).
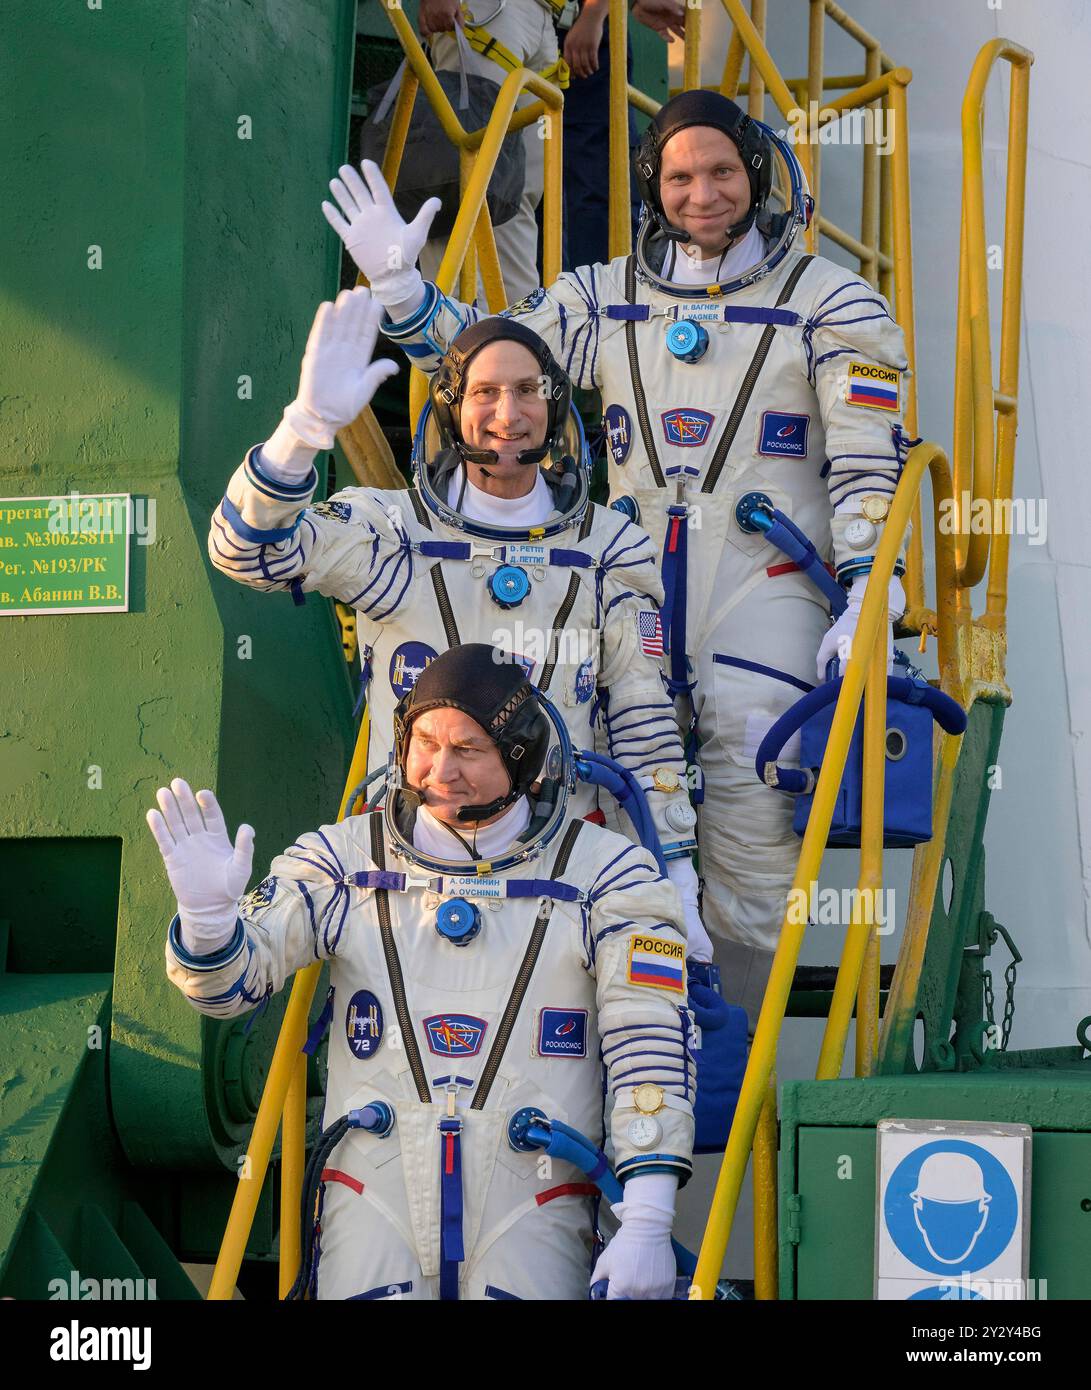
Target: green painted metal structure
(827,1180)
(189,142)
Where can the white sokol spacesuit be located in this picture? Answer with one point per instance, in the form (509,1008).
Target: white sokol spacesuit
(784,377)
(569,588)
(458,1001)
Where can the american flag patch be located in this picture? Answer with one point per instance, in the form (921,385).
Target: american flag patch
(650,628)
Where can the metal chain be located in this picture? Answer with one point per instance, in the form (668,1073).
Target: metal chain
(1009,1007)
(1009,989)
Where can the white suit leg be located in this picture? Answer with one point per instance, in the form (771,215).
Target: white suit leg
(362,1253)
(755,663)
(545,1255)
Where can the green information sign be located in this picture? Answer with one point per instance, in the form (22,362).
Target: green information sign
(65,554)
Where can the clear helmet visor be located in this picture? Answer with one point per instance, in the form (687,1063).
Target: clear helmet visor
(548,815)
(779,229)
(440,473)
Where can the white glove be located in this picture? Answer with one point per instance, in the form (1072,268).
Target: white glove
(838,641)
(383,245)
(639,1261)
(337,379)
(207,874)
(683,875)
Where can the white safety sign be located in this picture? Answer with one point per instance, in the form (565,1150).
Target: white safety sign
(953,1210)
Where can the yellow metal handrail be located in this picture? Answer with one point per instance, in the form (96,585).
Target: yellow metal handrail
(977,667)
(864,664)
(471,245)
(978,470)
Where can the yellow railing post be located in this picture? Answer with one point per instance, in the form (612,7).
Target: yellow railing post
(763,1052)
(974,264)
(765,1198)
(620,217)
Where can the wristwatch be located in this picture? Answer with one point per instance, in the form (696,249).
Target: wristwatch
(876,508)
(648,1098)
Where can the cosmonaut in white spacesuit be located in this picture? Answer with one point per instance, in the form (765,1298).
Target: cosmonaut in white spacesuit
(497,542)
(729,362)
(460,998)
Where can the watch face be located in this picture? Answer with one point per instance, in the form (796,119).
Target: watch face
(648,1098)
(875,508)
(664,780)
(859,533)
(643,1131)
(681,817)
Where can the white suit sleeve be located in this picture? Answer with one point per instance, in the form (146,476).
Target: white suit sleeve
(856,360)
(294,917)
(639,722)
(354,547)
(636,944)
(566,316)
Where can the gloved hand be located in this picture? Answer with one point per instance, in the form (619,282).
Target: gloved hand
(383,245)
(336,381)
(683,875)
(639,1261)
(838,641)
(207,873)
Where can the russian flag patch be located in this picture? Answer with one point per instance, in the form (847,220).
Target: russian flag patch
(658,962)
(878,387)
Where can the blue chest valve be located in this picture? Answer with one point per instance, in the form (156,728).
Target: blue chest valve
(687,341)
(627,506)
(458,921)
(508,586)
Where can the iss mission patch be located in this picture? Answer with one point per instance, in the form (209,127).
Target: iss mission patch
(364,1024)
(407,664)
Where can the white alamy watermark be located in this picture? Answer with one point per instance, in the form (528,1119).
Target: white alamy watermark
(80,515)
(76,1343)
(968,515)
(569,646)
(860,126)
(76,1287)
(838,907)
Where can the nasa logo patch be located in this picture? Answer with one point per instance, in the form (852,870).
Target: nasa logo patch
(783,435)
(364,1024)
(585,682)
(619,432)
(455,1035)
(686,428)
(562,1033)
(407,664)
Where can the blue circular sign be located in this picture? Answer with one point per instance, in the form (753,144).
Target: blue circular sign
(950,1207)
(364,1024)
(944,1293)
(619,432)
(407,664)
